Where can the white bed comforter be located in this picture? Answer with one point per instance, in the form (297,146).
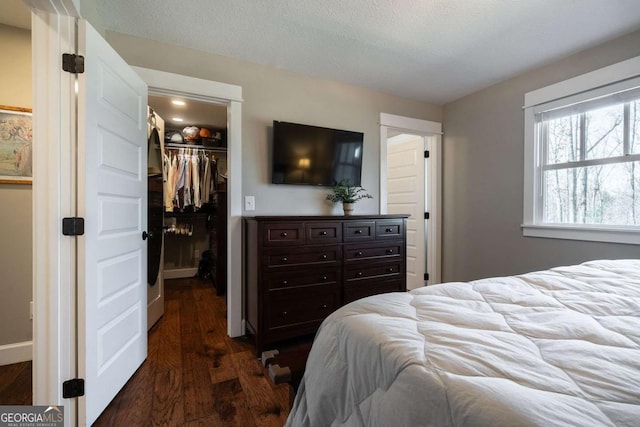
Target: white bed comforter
(550,348)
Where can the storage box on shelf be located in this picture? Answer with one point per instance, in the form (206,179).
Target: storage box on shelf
(300,269)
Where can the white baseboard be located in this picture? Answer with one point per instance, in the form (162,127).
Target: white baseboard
(15,353)
(179,273)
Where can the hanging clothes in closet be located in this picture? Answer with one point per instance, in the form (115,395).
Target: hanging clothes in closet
(192,176)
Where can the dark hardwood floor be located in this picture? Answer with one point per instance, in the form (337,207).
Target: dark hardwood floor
(15,384)
(194,375)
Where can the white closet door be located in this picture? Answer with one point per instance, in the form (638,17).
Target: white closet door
(155,292)
(112,197)
(405,195)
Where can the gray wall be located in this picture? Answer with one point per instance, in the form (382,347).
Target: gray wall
(15,209)
(483,178)
(272,94)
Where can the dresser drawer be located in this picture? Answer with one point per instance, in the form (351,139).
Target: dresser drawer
(367,288)
(389,229)
(278,258)
(323,232)
(295,278)
(368,271)
(287,234)
(300,307)
(371,251)
(359,231)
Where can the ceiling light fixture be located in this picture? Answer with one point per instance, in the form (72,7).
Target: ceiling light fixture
(177,119)
(178,102)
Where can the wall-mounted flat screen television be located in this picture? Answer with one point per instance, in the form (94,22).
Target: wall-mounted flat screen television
(313,155)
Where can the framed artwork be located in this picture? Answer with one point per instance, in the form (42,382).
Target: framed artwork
(16,137)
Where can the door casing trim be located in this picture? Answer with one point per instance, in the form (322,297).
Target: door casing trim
(176,85)
(432,133)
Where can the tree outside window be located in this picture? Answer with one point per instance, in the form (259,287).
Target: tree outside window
(590,167)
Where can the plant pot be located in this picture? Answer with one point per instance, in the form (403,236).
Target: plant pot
(348,208)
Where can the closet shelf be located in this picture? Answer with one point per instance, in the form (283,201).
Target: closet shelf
(193,146)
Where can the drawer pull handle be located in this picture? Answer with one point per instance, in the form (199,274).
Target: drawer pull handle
(359,274)
(324,305)
(324,256)
(323,233)
(284,282)
(284,313)
(389,251)
(389,230)
(285,259)
(359,253)
(390,270)
(324,277)
(283,234)
(358,231)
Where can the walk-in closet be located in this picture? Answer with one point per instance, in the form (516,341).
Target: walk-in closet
(187,167)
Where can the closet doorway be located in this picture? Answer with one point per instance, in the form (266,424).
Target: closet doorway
(229,98)
(188,175)
(410,183)
(406,184)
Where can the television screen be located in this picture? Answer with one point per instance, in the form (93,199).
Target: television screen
(312,155)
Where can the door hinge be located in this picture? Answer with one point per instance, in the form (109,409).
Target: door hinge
(426,215)
(426,276)
(426,154)
(73,226)
(73,388)
(72,63)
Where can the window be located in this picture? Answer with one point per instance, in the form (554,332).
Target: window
(582,161)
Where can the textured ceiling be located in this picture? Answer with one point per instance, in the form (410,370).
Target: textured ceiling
(431,50)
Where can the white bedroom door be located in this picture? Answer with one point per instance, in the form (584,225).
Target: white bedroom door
(406,195)
(112,191)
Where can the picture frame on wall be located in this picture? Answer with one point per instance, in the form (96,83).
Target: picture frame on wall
(16,144)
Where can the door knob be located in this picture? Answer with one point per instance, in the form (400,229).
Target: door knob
(146,235)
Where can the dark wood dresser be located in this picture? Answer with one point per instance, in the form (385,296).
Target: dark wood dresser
(302,268)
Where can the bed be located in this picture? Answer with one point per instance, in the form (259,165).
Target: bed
(554,347)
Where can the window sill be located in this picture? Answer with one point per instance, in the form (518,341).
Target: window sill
(586,233)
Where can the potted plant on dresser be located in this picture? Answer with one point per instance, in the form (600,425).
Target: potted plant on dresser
(348,195)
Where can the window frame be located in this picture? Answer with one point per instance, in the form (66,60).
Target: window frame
(605,81)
